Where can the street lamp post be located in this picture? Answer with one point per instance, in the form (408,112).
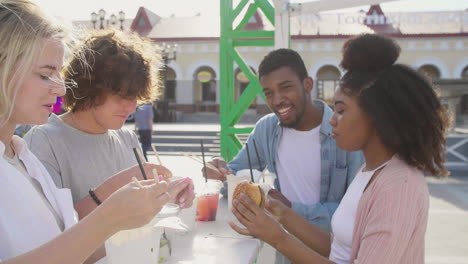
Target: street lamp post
(121,19)
(168,54)
(94,19)
(101,15)
(113,19)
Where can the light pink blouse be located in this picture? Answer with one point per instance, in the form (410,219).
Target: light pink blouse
(391,217)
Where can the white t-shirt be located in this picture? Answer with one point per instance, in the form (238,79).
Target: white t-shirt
(299,165)
(26,222)
(343,219)
(78,160)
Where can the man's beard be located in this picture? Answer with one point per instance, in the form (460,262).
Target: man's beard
(296,121)
(299,115)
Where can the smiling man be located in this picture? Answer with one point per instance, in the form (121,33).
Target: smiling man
(296,143)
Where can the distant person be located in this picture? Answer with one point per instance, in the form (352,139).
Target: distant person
(144,123)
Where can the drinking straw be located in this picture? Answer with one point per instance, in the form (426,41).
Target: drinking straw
(250,163)
(192,156)
(142,157)
(135,151)
(155,174)
(135,180)
(195,158)
(153,146)
(203,157)
(258,159)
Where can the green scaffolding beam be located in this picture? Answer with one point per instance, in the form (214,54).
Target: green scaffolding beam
(233,36)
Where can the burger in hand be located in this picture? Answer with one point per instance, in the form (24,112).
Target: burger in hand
(252,190)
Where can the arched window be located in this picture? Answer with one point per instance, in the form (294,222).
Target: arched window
(464,74)
(205,85)
(464,98)
(430,71)
(327,80)
(240,84)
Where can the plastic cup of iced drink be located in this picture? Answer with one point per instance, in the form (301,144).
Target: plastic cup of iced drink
(207,205)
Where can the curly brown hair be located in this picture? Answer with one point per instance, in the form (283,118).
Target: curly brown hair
(112,62)
(401,103)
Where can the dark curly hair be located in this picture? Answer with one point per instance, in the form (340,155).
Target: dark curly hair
(112,62)
(401,103)
(282,57)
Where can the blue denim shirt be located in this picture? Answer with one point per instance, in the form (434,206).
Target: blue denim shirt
(338,167)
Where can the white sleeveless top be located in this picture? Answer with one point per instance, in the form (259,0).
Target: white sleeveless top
(345,215)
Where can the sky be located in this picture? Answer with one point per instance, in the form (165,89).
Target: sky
(81,9)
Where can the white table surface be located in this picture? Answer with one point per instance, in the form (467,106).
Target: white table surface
(209,242)
(215,242)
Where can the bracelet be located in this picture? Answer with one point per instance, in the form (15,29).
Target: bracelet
(93,195)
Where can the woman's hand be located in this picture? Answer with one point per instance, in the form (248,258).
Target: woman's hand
(280,197)
(185,197)
(277,208)
(133,205)
(257,222)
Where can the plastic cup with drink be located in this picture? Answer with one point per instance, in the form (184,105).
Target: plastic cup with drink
(207,204)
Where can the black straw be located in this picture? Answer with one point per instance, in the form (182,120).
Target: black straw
(203,156)
(135,151)
(258,159)
(250,163)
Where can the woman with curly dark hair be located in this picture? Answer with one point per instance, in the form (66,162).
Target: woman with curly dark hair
(393,114)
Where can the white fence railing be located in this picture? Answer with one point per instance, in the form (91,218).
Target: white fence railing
(457,152)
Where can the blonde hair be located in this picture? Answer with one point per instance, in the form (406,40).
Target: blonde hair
(23,27)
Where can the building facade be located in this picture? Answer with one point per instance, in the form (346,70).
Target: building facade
(435,43)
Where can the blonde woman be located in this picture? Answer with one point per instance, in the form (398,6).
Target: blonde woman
(38,223)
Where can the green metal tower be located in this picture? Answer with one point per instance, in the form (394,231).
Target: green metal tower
(232,37)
